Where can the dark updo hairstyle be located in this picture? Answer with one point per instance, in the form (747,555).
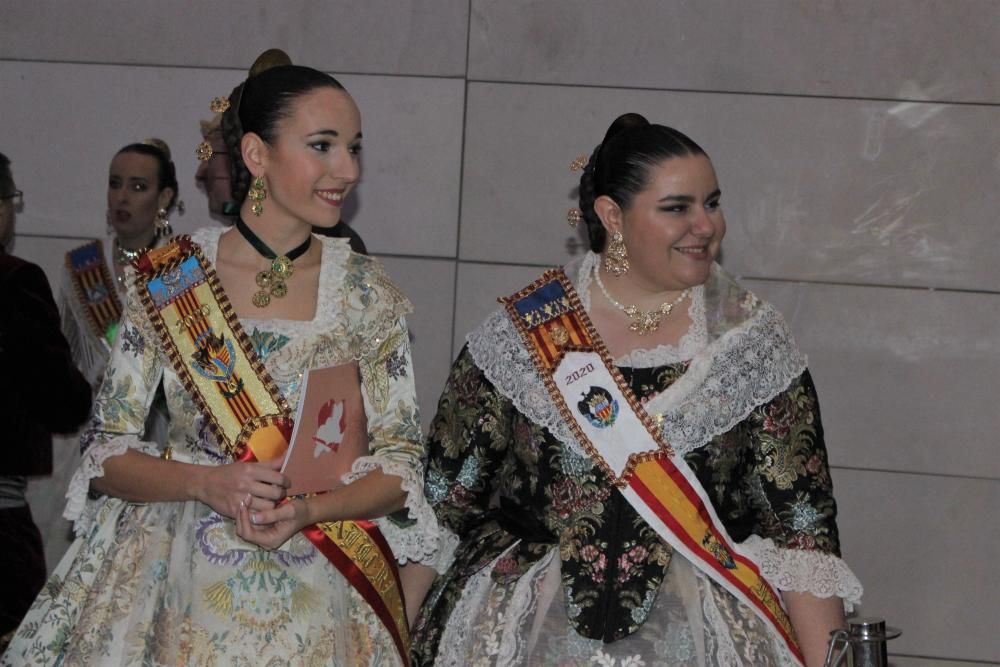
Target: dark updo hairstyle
(258,104)
(619,167)
(166,172)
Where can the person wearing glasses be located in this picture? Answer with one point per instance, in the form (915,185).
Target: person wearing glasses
(41,392)
(212,175)
(16,202)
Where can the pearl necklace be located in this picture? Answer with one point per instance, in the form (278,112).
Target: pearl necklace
(125,256)
(643,321)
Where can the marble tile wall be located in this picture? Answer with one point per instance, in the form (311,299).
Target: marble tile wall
(857,145)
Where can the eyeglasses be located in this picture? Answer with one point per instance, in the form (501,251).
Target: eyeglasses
(16,198)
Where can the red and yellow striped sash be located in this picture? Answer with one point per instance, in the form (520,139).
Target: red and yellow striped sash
(216,362)
(627,444)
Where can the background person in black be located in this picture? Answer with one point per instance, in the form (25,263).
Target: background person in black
(41,392)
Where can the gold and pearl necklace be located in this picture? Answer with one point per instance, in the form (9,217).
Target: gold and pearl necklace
(643,321)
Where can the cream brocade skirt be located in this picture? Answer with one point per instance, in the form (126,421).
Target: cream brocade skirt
(171,584)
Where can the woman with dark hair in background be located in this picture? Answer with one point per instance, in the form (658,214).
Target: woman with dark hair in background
(41,392)
(190,553)
(629,454)
(142,193)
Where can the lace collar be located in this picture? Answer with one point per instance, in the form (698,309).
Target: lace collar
(745,357)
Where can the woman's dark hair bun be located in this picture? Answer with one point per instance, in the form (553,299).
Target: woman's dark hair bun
(619,166)
(268,60)
(624,123)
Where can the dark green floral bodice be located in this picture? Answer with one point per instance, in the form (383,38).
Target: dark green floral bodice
(496,479)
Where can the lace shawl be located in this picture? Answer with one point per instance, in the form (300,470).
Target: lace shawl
(742,354)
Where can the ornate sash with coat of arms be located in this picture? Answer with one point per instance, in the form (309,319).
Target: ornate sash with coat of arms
(608,421)
(94,288)
(216,362)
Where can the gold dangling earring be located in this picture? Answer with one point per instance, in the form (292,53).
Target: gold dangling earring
(257,193)
(616,255)
(162,223)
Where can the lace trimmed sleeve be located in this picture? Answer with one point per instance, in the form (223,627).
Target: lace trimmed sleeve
(815,572)
(380,342)
(120,407)
(797,543)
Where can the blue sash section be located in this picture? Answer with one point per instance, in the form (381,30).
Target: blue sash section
(85,256)
(166,287)
(542,304)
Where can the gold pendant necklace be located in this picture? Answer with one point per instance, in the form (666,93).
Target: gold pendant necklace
(271,281)
(643,321)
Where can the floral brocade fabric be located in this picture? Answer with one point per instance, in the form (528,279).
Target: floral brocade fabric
(170,583)
(513,493)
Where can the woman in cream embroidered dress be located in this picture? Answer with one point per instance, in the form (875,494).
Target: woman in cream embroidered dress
(167,569)
(549,563)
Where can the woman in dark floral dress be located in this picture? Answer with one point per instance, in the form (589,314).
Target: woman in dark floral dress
(549,563)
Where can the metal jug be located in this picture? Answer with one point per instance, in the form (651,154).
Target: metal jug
(864,642)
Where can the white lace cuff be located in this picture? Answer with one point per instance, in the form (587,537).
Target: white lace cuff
(92,467)
(418,542)
(815,572)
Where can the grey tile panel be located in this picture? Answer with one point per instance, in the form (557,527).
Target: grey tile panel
(895,49)
(378,36)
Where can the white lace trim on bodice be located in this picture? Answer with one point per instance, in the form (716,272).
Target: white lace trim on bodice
(746,367)
(332,273)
